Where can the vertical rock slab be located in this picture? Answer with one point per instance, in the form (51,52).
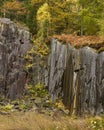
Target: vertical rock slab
(87,81)
(3,69)
(68,78)
(80,81)
(14,44)
(100,83)
(57,65)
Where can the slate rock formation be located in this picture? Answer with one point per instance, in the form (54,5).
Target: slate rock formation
(75,75)
(14,44)
(78,75)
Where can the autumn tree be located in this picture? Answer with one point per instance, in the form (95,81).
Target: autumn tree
(83,17)
(14,9)
(43,22)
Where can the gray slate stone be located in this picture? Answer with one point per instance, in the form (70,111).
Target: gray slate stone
(78,76)
(14,44)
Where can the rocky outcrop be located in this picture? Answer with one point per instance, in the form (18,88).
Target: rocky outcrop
(75,75)
(78,75)
(14,44)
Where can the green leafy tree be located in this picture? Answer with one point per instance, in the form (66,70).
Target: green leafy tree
(89,15)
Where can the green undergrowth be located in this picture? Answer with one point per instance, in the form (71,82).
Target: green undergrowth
(37,90)
(96,123)
(39,50)
(101,50)
(35,98)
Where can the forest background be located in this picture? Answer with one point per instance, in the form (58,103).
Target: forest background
(79,17)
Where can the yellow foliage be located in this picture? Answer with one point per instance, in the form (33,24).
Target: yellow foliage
(60,104)
(12,5)
(30,58)
(40,49)
(43,20)
(36,1)
(15,6)
(43,13)
(29,65)
(8,107)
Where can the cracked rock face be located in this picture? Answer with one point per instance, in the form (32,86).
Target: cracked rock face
(78,75)
(14,44)
(57,63)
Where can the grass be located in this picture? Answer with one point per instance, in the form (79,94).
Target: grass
(36,121)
